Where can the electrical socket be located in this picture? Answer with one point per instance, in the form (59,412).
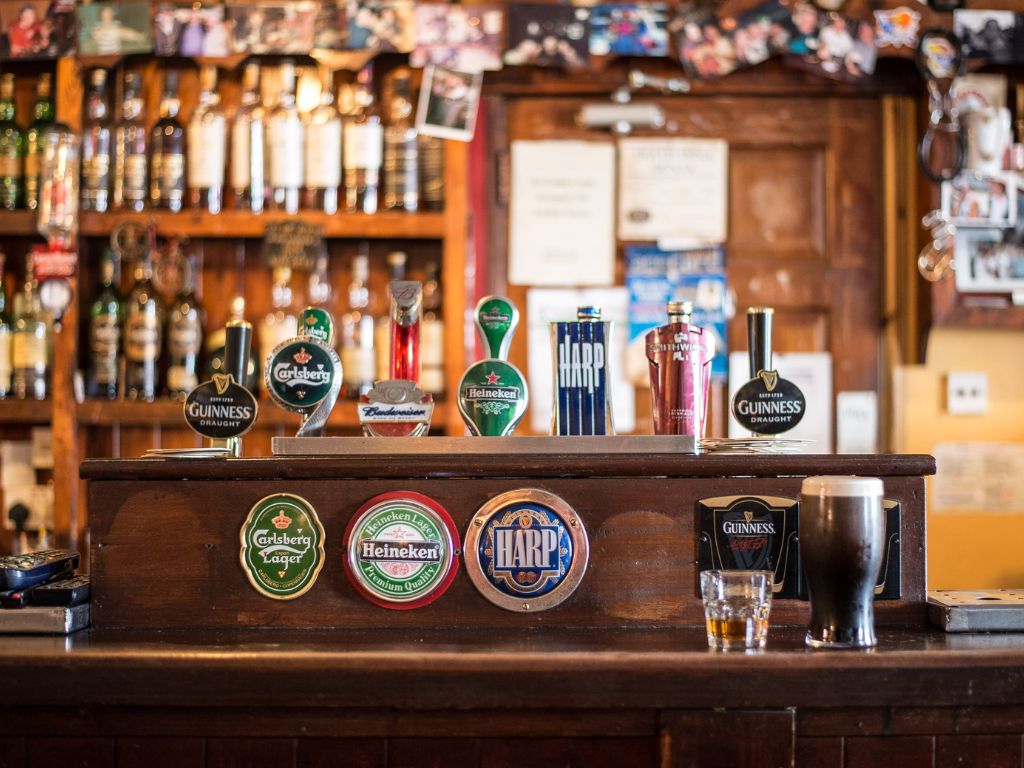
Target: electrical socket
(967,393)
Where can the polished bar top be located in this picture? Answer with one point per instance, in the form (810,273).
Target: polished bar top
(607,669)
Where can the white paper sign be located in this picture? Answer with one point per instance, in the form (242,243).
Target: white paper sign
(978,477)
(673,189)
(856,422)
(562,221)
(812,372)
(545,306)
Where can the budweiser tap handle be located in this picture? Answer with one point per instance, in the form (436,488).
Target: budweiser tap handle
(759,339)
(237,344)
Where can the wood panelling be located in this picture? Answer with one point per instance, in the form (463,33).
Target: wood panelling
(978,752)
(816,752)
(60,752)
(904,751)
(724,739)
(329,753)
(161,752)
(250,753)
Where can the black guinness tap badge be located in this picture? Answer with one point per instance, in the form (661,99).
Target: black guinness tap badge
(769,404)
(220,408)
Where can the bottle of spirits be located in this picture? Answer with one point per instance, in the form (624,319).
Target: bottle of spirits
(323,149)
(432,333)
(286,141)
(131,186)
(363,147)
(167,151)
(321,294)
(248,142)
(207,146)
(396,261)
(357,332)
(11,148)
(431,173)
(105,333)
(184,339)
(42,118)
(143,328)
(401,148)
(30,342)
(281,322)
(96,152)
(5,335)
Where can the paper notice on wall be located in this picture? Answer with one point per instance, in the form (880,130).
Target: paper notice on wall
(562,221)
(812,373)
(978,477)
(544,306)
(673,190)
(856,422)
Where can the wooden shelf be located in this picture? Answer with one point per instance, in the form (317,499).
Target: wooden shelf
(168,413)
(24,411)
(19,223)
(238,224)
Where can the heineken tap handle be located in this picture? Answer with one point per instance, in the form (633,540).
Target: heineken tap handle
(759,339)
(496,320)
(237,345)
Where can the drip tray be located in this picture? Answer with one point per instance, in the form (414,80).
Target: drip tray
(990,610)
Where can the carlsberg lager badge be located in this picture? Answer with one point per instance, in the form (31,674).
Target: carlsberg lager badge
(282,546)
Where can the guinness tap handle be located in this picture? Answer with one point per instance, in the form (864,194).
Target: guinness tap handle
(237,344)
(759,339)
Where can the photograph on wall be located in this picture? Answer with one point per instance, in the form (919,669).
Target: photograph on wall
(987,35)
(448,103)
(547,35)
(803,40)
(272,27)
(843,50)
(897,27)
(987,262)
(190,29)
(330,27)
(111,28)
(389,27)
(760,32)
(981,200)
(468,38)
(628,29)
(705,50)
(37,29)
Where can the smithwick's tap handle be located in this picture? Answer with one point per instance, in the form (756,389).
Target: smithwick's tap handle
(237,346)
(759,339)
(496,320)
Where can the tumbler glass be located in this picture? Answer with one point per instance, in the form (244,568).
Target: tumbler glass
(736,607)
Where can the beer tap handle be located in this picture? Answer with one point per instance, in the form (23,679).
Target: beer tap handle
(759,339)
(496,320)
(237,346)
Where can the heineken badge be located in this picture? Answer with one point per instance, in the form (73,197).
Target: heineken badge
(282,546)
(220,408)
(395,408)
(526,550)
(496,320)
(492,398)
(400,550)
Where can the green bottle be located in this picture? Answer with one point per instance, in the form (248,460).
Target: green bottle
(5,336)
(30,342)
(42,118)
(105,317)
(11,147)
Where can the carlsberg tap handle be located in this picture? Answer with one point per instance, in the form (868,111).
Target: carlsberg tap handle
(237,345)
(496,320)
(759,338)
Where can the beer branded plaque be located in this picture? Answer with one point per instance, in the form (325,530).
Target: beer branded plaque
(492,398)
(400,550)
(769,404)
(220,408)
(496,320)
(526,550)
(395,408)
(282,546)
(300,372)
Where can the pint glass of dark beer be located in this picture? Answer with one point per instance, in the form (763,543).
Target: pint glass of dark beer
(842,538)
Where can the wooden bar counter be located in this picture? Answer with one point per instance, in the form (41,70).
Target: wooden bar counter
(187,665)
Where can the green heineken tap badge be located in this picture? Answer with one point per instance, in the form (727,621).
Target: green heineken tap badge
(282,546)
(492,398)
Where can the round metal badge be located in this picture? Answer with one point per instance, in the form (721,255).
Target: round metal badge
(526,550)
(401,550)
(282,546)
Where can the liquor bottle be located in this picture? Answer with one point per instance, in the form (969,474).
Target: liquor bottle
(323,150)
(167,151)
(396,261)
(184,339)
(96,148)
(131,141)
(11,148)
(105,333)
(143,328)
(5,335)
(286,140)
(30,342)
(248,143)
(363,147)
(401,148)
(281,322)
(432,333)
(320,291)
(207,146)
(357,332)
(431,173)
(42,118)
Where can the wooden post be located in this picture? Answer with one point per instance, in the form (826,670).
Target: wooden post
(456,269)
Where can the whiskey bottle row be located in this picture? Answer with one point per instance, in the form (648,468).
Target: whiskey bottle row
(21,151)
(270,154)
(26,340)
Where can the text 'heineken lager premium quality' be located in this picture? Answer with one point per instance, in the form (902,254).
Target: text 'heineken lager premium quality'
(582,404)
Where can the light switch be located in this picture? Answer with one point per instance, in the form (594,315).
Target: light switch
(966,393)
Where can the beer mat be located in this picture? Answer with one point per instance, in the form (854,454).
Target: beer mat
(754,445)
(44,621)
(187,453)
(991,610)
